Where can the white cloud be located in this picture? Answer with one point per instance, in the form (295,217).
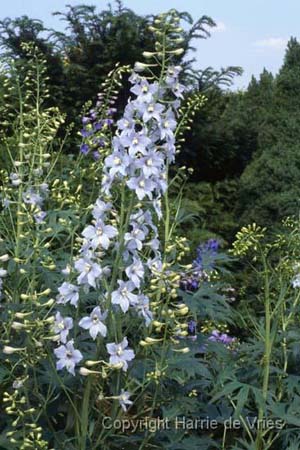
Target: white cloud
(272,43)
(219,28)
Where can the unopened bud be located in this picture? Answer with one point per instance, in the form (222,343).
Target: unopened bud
(181,350)
(18,325)
(116,366)
(152,340)
(90,363)
(148,54)
(85,372)
(10,350)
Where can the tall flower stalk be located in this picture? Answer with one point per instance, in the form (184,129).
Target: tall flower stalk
(122,269)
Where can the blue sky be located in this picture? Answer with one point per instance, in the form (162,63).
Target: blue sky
(250,33)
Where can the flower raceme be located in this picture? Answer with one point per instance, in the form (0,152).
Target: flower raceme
(120,249)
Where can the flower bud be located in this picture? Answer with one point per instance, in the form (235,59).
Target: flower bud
(18,325)
(85,372)
(90,363)
(177,52)
(157,324)
(148,54)
(181,350)
(20,315)
(150,340)
(116,366)
(10,350)
(139,67)
(48,303)
(183,311)
(46,292)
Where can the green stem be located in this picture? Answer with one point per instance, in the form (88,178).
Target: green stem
(85,415)
(267,353)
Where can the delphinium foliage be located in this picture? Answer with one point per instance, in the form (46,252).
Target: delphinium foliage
(94,326)
(114,332)
(260,384)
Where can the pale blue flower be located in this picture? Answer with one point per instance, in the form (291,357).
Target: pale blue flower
(124,399)
(162,184)
(168,125)
(94,323)
(157,207)
(67,357)
(154,244)
(40,216)
(169,150)
(126,124)
(144,91)
(135,78)
(123,296)
(68,293)
(172,74)
(151,163)
(155,264)
(134,239)
(178,90)
(32,198)
(106,184)
(142,186)
(100,208)
(143,309)
(100,234)
(135,272)
(89,271)
(136,142)
(152,111)
(62,326)
(119,353)
(117,163)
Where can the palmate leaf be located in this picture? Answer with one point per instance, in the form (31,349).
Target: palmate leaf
(182,405)
(131,441)
(229,389)
(240,393)
(293,444)
(208,303)
(242,445)
(179,440)
(241,400)
(292,385)
(185,366)
(288,412)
